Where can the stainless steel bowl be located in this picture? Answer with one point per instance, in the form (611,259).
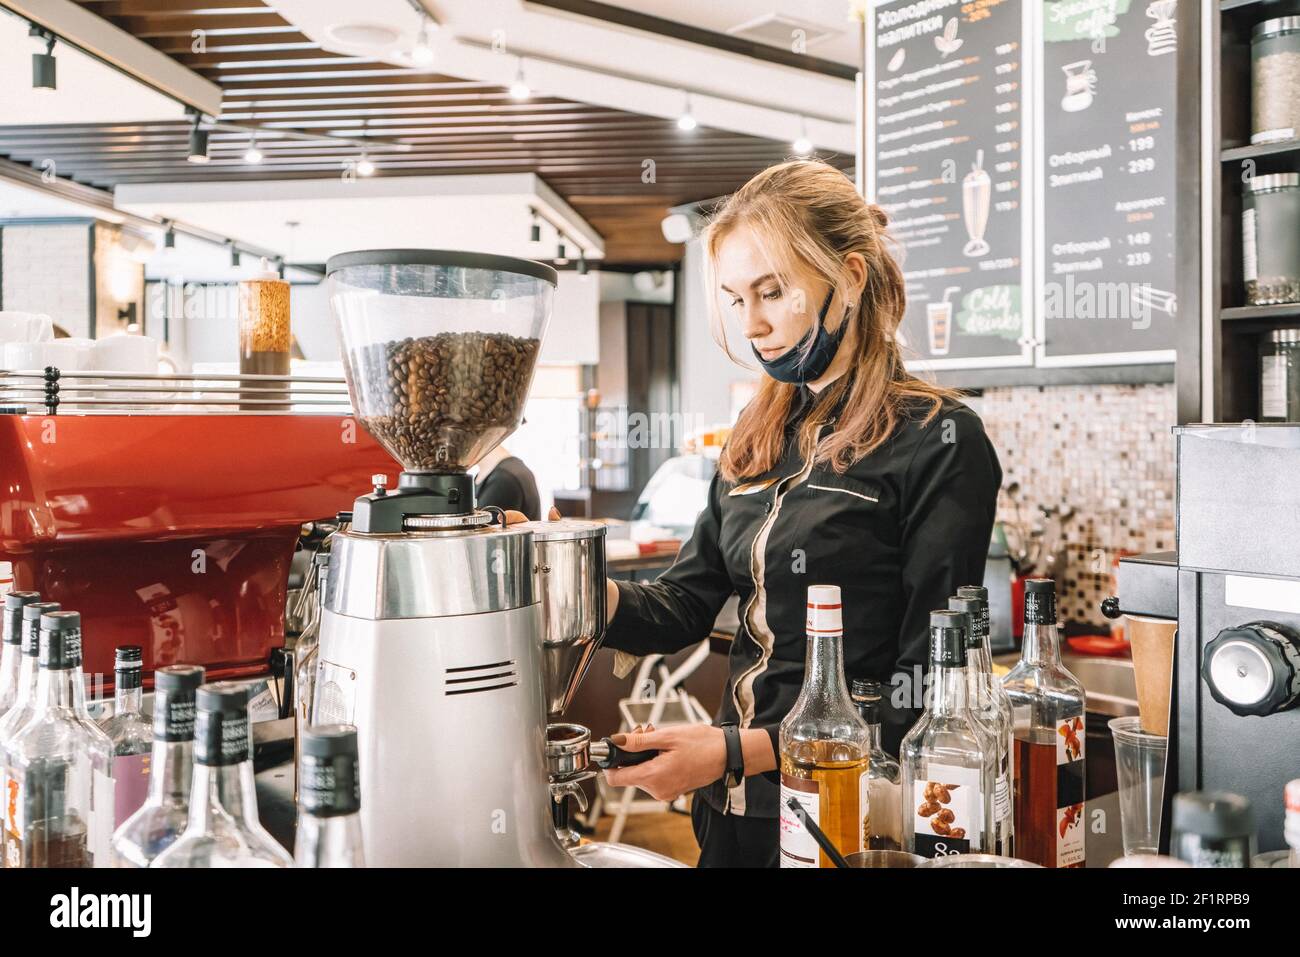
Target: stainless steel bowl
(884,859)
(569,558)
(976,860)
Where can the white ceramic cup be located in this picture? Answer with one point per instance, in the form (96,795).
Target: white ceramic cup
(25,327)
(125,353)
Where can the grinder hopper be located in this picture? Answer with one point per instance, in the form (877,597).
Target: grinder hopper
(439,348)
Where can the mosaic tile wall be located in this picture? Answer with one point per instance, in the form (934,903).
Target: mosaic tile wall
(1107,452)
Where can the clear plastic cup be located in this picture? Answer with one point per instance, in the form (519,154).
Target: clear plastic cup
(1140,769)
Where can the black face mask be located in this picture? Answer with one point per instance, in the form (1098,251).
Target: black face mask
(797,368)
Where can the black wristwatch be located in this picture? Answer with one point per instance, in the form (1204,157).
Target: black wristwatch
(735,755)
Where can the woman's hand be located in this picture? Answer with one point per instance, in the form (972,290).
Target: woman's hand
(690,756)
(514,518)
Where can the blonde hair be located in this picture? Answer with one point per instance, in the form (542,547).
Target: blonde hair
(808,212)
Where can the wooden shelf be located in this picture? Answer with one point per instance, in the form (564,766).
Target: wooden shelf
(1236,154)
(1289,310)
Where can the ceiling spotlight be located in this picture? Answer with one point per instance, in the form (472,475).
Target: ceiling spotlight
(234,254)
(519,88)
(561,254)
(535,231)
(169,237)
(802,146)
(422,52)
(364,166)
(582,262)
(686,122)
(198,142)
(44,65)
(253,154)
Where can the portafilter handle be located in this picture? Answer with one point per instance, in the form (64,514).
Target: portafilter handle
(607,755)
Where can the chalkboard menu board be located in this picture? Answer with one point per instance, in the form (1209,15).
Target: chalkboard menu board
(1107,189)
(947,103)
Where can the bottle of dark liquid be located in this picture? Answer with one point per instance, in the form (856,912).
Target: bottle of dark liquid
(882,827)
(329,799)
(131,734)
(61,788)
(11,656)
(1047,715)
(949,760)
(165,812)
(223,829)
(823,745)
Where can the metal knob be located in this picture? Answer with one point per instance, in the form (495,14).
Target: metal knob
(1254,669)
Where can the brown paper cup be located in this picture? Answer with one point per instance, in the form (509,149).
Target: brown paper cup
(1152,641)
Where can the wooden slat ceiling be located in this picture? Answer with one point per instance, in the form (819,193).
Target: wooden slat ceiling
(274,77)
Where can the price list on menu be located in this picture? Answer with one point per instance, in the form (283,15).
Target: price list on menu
(1108,182)
(947,112)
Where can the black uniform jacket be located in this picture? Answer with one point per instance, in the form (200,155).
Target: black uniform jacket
(899,532)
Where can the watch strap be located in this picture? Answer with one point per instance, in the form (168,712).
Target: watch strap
(735,771)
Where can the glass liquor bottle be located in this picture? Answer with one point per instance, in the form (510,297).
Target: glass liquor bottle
(11,656)
(882,826)
(948,758)
(61,788)
(223,829)
(329,799)
(305,659)
(1047,717)
(165,812)
(130,732)
(993,709)
(823,745)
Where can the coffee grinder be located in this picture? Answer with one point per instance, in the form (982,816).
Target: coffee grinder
(445,637)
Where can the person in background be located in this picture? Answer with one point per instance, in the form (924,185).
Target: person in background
(507,483)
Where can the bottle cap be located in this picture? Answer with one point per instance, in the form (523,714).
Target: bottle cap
(972,608)
(330,784)
(864,689)
(221,736)
(1040,601)
(31,636)
(128,657)
(13,621)
(948,638)
(173,716)
(1217,815)
(824,614)
(328,740)
(224,698)
(178,678)
(60,640)
(974,591)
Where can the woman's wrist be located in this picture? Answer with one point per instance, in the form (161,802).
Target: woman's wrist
(756,746)
(611,599)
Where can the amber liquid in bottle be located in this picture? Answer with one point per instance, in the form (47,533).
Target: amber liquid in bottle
(1035,798)
(838,769)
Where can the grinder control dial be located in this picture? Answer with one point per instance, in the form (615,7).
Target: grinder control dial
(1254,669)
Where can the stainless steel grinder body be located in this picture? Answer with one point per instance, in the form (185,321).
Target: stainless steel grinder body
(431,644)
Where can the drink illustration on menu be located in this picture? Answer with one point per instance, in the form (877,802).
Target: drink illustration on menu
(948,168)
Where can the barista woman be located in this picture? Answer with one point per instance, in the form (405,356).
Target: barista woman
(843,470)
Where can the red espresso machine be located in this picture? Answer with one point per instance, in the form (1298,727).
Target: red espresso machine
(174,531)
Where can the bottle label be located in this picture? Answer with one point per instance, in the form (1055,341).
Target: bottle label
(100,839)
(1002,796)
(1070,741)
(130,784)
(1272,387)
(798,846)
(328,787)
(1249,251)
(174,721)
(1214,852)
(947,811)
